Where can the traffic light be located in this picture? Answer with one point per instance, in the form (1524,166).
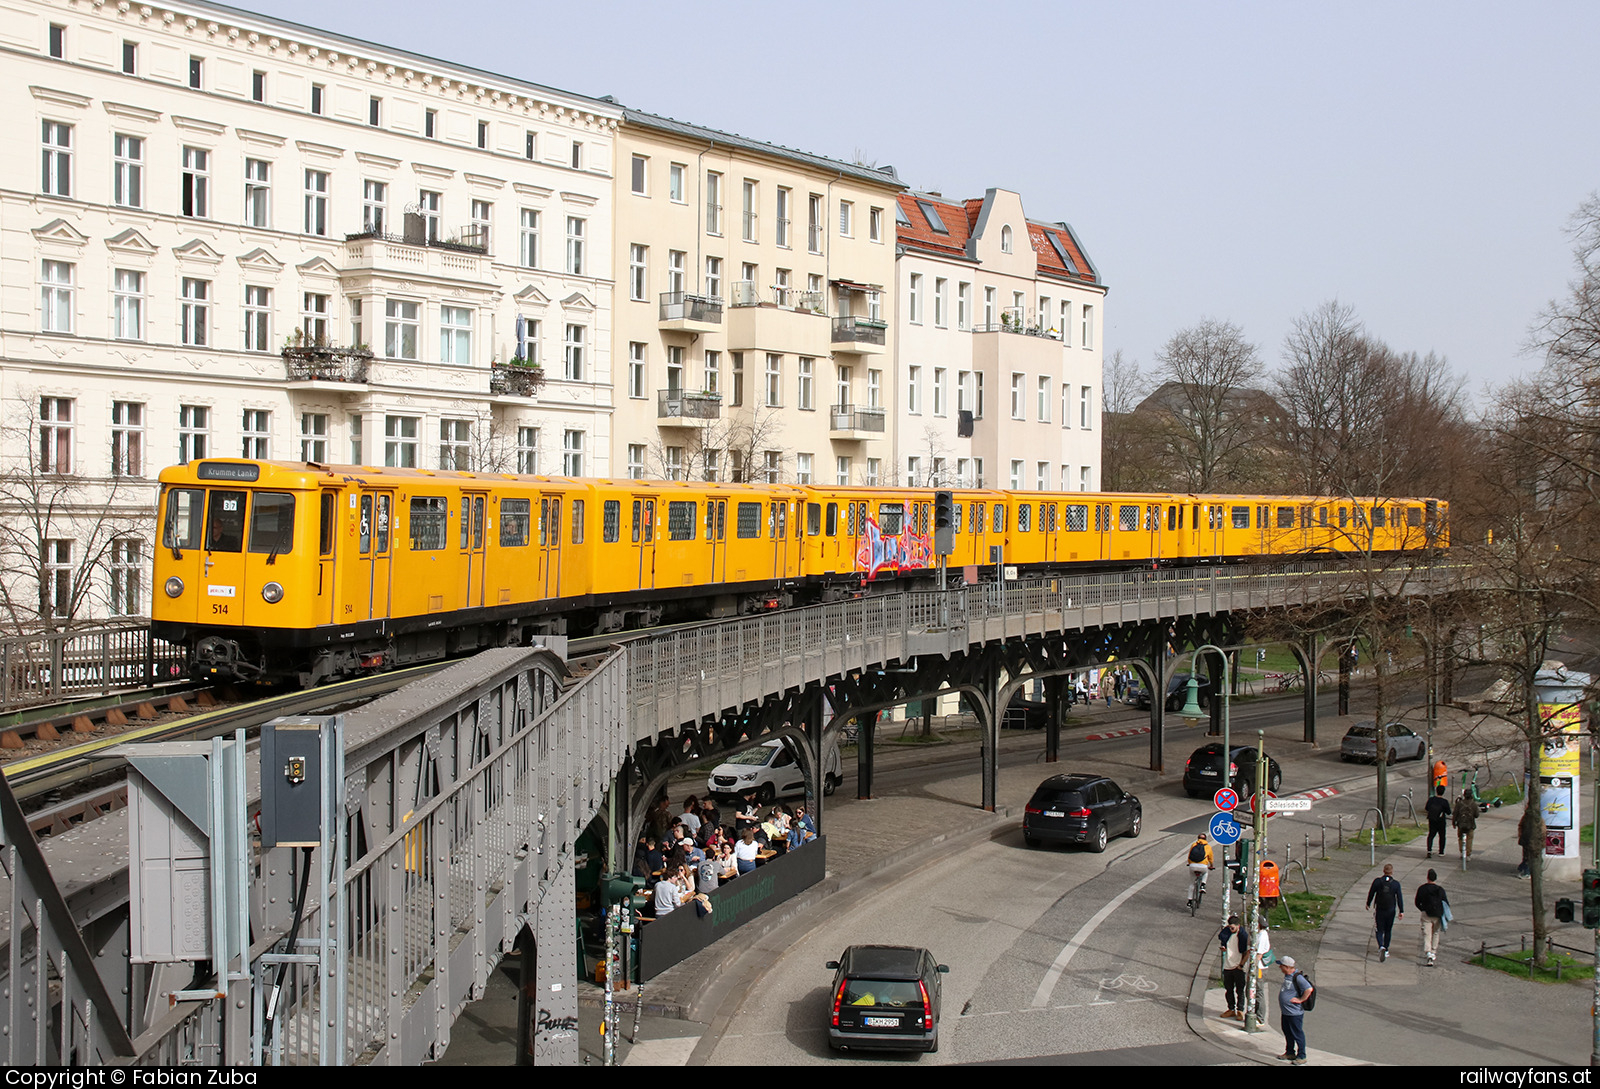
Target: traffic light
(1564,910)
(944,510)
(1591,899)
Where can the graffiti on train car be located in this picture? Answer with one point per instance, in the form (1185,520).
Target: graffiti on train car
(879,551)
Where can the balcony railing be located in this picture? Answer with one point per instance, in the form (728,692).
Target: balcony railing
(851,329)
(471,239)
(1013,320)
(515,379)
(814,301)
(326,363)
(745,293)
(855,418)
(681,404)
(681,306)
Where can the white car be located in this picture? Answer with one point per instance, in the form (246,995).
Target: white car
(772,770)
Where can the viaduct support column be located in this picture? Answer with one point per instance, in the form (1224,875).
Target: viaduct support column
(1054,692)
(989,722)
(866,726)
(810,712)
(1308,653)
(1158,693)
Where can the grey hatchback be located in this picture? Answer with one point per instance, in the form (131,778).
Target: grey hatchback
(1361,743)
(885,997)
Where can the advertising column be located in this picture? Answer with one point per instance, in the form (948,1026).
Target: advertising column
(1558,761)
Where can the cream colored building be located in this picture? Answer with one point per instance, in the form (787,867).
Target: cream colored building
(752,330)
(998,354)
(191,190)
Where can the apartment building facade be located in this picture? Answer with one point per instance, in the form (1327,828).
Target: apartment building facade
(998,358)
(230,235)
(753,336)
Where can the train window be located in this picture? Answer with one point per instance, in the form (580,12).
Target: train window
(1127,517)
(977,517)
(272,524)
(635,521)
(649,521)
(1379,517)
(1024,517)
(680,520)
(515,515)
(225,521)
(1413,516)
(833,520)
(1077,517)
(1344,517)
(999,517)
(1285,517)
(722,519)
(1172,517)
(1047,517)
(1180,515)
(330,521)
(364,532)
(577,521)
(477,522)
(555,521)
(813,519)
(1241,517)
(749,520)
(890,517)
(429,521)
(182,529)
(958,518)
(466,521)
(544,521)
(1262,516)
(612,516)
(1152,517)
(783,519)
(381,526)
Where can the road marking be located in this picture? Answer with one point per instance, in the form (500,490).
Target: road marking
(1053,975)
(1117,733)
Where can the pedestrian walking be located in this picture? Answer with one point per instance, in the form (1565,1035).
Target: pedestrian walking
(1530,836)
(1235,945)
(1464,815)
(1292,997)
(1384,899)
(1438,810)
(1434,903)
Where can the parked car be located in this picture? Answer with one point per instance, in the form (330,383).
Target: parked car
(1202,775)
(885,997)
(1080,809)
(1361,743)
(772,770)
(1177,693)
(1026,714)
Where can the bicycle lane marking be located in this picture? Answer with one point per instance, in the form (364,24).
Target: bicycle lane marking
(1052,976)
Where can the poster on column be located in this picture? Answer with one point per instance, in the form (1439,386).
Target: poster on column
(1559,755)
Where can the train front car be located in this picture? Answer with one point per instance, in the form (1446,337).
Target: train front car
(236,571)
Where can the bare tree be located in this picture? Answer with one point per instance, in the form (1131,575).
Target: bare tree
(1125,439)
(1206,368)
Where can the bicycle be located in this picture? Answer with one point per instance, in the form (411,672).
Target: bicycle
(1197,890)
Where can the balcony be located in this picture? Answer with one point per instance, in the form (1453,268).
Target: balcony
(685,313)
(852,422)
(685,408)
(787,324)
(465,256)
(312,363)
(745,293)
(863,335)
(515,379)
(1013,320)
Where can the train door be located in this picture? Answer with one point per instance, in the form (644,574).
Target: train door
(183,520)
(1102,529)
(222,560)
(717,537)
(1208,529)
(855,528)
(366,583)
(550,545)
(327,554)
(644,540)
(978,525)
(473,558)
(778,536)
(1049,524)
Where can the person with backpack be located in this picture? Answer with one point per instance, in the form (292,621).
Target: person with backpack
(1464,815)
(1199,866)
(1295,997)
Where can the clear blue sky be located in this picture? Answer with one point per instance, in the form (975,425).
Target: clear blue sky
(1243,161)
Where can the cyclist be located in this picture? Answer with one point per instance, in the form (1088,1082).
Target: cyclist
(1200,864)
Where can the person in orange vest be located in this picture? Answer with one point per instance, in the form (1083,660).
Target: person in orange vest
(1269,885)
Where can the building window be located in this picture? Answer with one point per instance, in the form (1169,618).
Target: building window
(401,329)
(357,336)
(455,445)
(1041,481)
(988,308)
(430,124)
(675,183)
(258,86)
(713,372)
(677,271)
(575,232)
(941,288)
(814,223)
(914,313)
(638,273)
(196,312)
(194,432)
(257,193)
(316,202)
(58,41)
(483,136)
(806,369)
(874,389)
(913,472)
(318,92)
(636,369)
(736,360)
(875,224)
(713,284)
(127,438)
(841,390)
(847,212)
(374,111)
(127,564)
(802,468)
(938,391)
(55,435)
(55,576)
(374,205)
(127,305)
(196,72)
(130,58)
(529,346)
(530,238)
(874,471)
(257,319)
(431,205)
(357,456)
(638,174)
(481,214)
(1086,330)
(913,381)
(455,335)
(1044,398)
(400,442)
(127,171)
(1016,475)
(774,374)
(55,296)
(314,318)
(713,203)
(57,176)
(314,437)
(195,195)
(572,453)
(781,222)
(573,353)
(635,461)
(963,306)
(751,210)
(1083,479)
(772,465)
(1086,406)
(530,145)
(528,450)
(577,155)
(1005,239)
(257,432)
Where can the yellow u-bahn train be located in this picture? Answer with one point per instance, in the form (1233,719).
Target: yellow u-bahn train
(278,571)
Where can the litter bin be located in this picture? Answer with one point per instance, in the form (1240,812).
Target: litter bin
(1269,884)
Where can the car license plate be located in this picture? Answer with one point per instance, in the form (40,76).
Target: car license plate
(882,1022)
(1054,813)
(1208,771)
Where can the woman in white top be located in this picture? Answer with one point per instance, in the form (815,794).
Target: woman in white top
(1262,950)
(745,851)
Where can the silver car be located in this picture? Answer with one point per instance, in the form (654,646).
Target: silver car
(1361,743)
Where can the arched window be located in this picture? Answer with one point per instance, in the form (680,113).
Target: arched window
(1005,239)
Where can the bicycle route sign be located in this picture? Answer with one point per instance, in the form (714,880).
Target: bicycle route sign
(1224,829)
(1227,799)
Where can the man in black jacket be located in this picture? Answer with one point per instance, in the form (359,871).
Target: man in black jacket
(1384,899)
(1438,810)
(1431,900)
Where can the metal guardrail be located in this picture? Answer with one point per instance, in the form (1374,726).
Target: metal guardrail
(51,666)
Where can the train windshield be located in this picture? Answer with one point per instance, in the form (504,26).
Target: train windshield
(272,527)
(182,526)
(225,521)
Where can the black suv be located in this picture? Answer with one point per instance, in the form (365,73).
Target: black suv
(1202,775)
(1080,809)
(1177,693)
(885,997)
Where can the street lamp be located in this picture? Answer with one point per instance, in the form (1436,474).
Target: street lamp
(1191,713)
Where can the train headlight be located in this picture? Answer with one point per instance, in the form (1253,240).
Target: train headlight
(174,586)
(272,593)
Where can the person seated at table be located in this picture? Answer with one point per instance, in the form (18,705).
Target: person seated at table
(716,838)
(647,859)
(729,865)
(710,816)
(746,850)
(748,813)
(682,840)
(802,829)
(776,826)
(691,816)
(707,873)
(669,894)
